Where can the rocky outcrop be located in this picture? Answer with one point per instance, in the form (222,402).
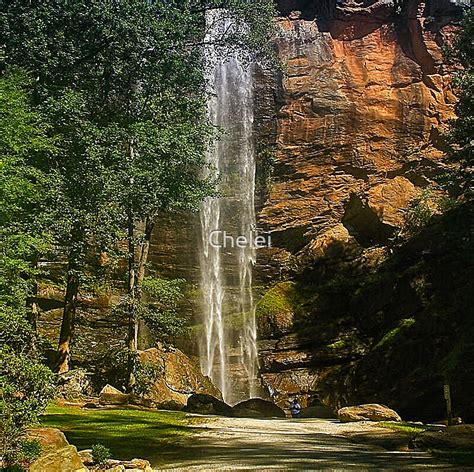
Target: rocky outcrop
(362,105)
(369,412)
(177,377)
(57,454)
(114,465)
(111,396)
(203,404)
(257,408)
(74,384)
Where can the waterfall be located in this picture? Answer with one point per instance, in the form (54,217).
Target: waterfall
(226,272)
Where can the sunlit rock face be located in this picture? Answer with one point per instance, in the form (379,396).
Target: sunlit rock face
(360,112)
(363,103)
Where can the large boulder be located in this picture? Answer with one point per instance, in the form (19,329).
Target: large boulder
(368,412)
(389,200)
(177,378)
(57,454)
(111,396)
(74,384)
(460,437)
(207,405)
(257,408)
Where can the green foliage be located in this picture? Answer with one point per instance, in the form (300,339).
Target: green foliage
(281,298)
(165,292)
(112,367)
(460,136)
(24,191)
(422,208)
(101,454)
(25,385)
(30,450)
(393,333)
(339,344)
(15,330)
(145,374)
(26,388)
(123,86)
(161,310)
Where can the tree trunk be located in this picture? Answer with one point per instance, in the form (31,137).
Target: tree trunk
(70,299)
(144,250)
(33,309)
(143,259)
(132,276)
(69,316)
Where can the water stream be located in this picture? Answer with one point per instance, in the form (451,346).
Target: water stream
(226,272)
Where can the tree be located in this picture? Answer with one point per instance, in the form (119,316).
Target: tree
(25,384)
(124,83)
(25,193)
(460,137)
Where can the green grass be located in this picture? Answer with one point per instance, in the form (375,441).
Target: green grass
(341,343)
(458,457)
(408,428)
(152,435)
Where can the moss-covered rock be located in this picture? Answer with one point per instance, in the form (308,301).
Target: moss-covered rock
(275,312)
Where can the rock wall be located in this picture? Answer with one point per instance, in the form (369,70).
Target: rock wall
(360,112)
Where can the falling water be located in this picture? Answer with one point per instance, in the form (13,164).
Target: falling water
(226,272)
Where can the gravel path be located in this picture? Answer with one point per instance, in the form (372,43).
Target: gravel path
(248,444)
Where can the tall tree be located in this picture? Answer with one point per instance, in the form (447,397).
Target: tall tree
(25,193)
(461,136)
(125,84)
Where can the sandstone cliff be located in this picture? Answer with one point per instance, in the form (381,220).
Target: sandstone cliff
(360,111)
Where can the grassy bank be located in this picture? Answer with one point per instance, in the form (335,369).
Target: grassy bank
(152,435)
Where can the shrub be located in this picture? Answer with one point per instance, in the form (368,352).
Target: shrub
(145,375)
(25,389)
(101,454)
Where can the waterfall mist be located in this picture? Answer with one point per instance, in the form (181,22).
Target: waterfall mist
(229,349)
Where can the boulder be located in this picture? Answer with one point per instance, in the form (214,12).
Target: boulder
(178,377)
(388,200)
(86,456)
(460,437)
(111,396)
(368,412)
(74,384)
(134,465)
(49,438)
(257,408)
(90,405)
(116,468)
(319,411)
(204,404)
(57,454)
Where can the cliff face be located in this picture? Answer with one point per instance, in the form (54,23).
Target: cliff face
(360,113)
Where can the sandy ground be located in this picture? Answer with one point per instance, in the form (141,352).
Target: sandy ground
(226,444)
